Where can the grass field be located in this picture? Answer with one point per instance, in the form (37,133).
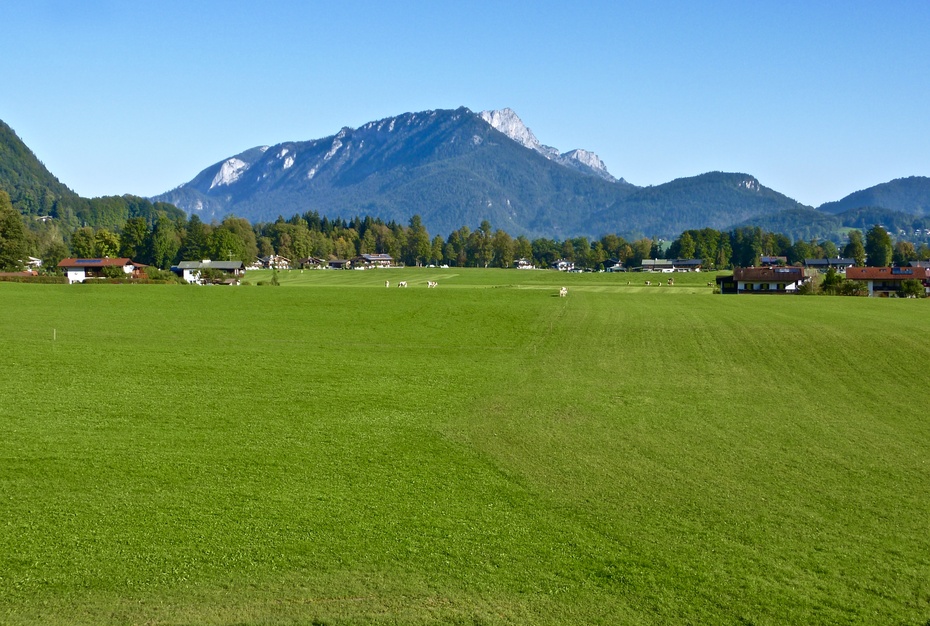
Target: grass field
(334,452)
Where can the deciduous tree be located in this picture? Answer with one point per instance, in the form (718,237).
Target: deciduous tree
(878,247)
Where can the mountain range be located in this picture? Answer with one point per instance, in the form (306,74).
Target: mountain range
(456,168)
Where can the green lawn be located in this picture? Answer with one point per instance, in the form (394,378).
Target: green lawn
(486,452)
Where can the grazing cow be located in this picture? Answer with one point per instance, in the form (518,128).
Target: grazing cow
(648,282)
(431,283)
(671,281)
(563,292)
(402,283)
(387,283)
(710,284)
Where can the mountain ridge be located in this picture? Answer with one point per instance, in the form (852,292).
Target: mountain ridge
(454,168)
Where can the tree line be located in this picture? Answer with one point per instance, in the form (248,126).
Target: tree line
(163,238)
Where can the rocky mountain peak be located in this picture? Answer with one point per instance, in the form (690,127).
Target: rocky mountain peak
(509,123)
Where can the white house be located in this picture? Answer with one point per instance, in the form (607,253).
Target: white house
(191,271)
(79,270)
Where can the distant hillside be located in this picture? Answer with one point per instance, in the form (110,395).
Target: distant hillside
(803,223)
(808,224)
(712,200)
(35,191)
(455,168)
(32,188)
(906,195)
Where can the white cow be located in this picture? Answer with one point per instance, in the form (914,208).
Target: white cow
(387,283)
(402,283)
(563,292)
(431,283)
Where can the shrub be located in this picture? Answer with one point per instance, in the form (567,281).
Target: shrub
(912,289)
(41,280)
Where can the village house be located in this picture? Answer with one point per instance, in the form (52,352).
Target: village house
(563,265)
(310,261)
(773,260)
(887,281)
(523,264)
(274,261)
(372,260)
(657,265)
(768,280)
(79,270)
(687,265)
(192,271)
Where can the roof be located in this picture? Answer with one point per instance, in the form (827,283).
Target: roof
(377,257)
(888,273)
(834,262)
(104,262)
(217,265)
(771,274)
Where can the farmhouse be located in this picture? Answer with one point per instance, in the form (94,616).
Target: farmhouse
(773,260)
(192,271)
(687,265)
(667,266)
(658,265)
(311,261)
(372,260)
(523,264)
(273,261)
(340,264)
(563,265)
(838,263)
(79,270)
(770,280)
(887,281)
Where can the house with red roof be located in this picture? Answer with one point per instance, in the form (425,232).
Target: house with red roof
(887,281)
(79,270)
(764,280)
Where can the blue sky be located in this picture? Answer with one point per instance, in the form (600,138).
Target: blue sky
(815,99)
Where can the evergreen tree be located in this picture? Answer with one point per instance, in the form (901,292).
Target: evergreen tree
(195,244)
(133,238)
(164,243)
(13,239)
(417,248)
(436,250)
(686,246)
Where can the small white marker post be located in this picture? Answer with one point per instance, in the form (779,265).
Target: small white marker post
(54,334)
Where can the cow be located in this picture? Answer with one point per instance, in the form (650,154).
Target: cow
(402,283)
(387,283)
(648,282)
(431,284)
(563,292)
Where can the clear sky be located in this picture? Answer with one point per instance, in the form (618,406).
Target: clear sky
(816,99)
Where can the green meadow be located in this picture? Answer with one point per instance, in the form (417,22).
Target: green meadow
(332,451)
